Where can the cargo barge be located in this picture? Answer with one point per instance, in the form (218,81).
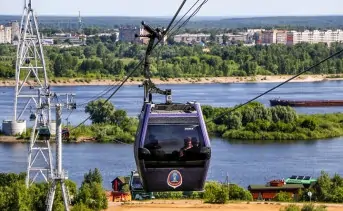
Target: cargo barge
(306,103)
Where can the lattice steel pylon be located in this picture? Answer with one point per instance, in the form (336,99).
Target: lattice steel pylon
(30,65)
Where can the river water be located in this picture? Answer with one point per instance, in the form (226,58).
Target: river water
(245,163)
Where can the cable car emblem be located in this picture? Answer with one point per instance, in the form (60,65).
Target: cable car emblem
(174,179)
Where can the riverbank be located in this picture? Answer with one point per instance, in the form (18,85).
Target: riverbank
(14,139)
(191,205)
(201,80)
(256,122)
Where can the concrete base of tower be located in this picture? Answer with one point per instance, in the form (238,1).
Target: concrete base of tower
(11,128)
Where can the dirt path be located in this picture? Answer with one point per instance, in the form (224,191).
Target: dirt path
(185,205)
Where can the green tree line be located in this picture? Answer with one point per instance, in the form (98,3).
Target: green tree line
(103,58)
(15,196)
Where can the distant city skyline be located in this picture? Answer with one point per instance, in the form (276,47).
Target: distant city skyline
(158,8)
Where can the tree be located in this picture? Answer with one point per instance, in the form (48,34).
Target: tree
(113,37)
(225,39)
(100,111)
(92,177)
(100,50)
(234,120)
(118,117)
(91,192)
(59,66)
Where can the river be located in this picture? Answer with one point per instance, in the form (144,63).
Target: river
(244,163)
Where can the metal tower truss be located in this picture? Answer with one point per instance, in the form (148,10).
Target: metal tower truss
(32,90)
(39,156)
(31,72)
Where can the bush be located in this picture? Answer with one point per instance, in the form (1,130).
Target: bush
(291,207)
(168,195)
(80,207)
(239,193)
(193,195)
(311,207)
(216,193)
(309,123)
(283,197)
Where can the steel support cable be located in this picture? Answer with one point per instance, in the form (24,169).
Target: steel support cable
(102,94)
(136,68)
(111,87)
(281,84)
(115,91)
(184,23)
(189,18)
(184,15)
(168,28)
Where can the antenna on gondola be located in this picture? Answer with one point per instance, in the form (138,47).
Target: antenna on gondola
(149,87)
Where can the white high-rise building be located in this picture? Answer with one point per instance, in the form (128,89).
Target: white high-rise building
(15,31)
(5,34)
(328,37)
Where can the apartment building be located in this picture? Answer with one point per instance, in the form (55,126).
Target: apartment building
(232,38)
(269,36)
(192,38)
(127,34)
(281,37)
(5,34)
(316,36)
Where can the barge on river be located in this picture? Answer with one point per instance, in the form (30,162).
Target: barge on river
(306,103)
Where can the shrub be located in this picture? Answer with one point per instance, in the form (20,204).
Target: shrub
(80,207)
(309,123)
(216,193)
(283,197)
(239,193)
(311,207)
(291,207)
(168,195)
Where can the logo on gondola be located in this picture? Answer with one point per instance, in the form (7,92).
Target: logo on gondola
(174,179)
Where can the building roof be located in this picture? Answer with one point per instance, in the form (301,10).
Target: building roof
(300,180)
(284,187)
(124,180)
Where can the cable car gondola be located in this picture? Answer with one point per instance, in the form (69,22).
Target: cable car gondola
(43,133)
(172,148)
(32,117)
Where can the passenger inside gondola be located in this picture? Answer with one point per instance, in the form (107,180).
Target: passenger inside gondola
(153,143)
(196,144)
(186,148)
(167,142)
(154,148)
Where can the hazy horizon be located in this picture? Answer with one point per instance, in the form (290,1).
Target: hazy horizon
(164,9)
(196,17)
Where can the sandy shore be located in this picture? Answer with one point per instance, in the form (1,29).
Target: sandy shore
(191,205)
(209,80)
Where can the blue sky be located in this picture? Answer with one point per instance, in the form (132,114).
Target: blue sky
(168,7)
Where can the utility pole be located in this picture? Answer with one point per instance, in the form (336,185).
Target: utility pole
(59,175)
